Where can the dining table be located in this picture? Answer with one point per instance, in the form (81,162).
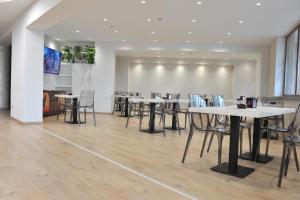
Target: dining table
(74,99)
(126,106)
(231,167)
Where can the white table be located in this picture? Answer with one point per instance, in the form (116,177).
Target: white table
(232,167)
(74,105)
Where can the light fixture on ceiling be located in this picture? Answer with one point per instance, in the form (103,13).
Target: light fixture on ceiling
(105,19)
(123,40)
(221,42)
(194,21)
(241,22)
(158,56)
(143,2)
(228,33)
(189,32)
(116,31)
(5,1)
(188,41)
(154,40)
(57,39)
(258,4)
(152,32)
(77,31)
(149,20)
(199,2)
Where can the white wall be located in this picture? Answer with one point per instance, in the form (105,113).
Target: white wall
(4,77)
(149,76)
(243,79)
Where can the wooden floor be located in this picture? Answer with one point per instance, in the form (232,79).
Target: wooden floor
(58,161)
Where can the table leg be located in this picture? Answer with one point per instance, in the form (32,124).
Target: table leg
(152,121)
(75,102)
(255,155)
(174,120)
(126,107)
(232,168)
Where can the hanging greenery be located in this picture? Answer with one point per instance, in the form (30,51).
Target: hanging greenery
(90,55)
(66,54)
(78,54)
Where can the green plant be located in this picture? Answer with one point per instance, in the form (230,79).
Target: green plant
(90,54)
(67,54)
(77,52)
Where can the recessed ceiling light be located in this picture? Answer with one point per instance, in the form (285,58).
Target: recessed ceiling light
(77,31)
(123,40)
(116,31)
(90,39)
(187,41)
(149,20)
(193,20)
(189,32)
(241,22)
(152,32)
(56,39)
(143,2)
(199,2)
(228,33)
(258,4)
(154,40)
(4,1)
(221,42)
(105,19)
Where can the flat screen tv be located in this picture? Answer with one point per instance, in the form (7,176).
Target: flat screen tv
(52,61)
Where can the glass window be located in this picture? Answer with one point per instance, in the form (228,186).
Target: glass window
(291,64)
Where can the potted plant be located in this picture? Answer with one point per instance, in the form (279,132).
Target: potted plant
(90,54)
(77,53)
(67,54)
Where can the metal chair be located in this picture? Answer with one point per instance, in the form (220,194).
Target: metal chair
(291,139)
(172,111)
(202,122)
(86,101)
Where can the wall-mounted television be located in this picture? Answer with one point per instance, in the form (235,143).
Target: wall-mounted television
(52,61)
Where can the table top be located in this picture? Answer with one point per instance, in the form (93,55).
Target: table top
(122,96)
(148,100)
(258,112)
(66,96)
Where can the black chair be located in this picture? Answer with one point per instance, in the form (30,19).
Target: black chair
(86,101)
(291,139)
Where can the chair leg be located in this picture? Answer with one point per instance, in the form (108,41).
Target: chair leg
(85,115)
(296,157)
(204,142)
(79,120)
(282,166)
(210,141)
(164,123)
(185,120)
(141,120)
(268,142)
(188,142)
(241,140)
(249,138)
(287,161)
(220,141)
(94,115)
(57,113)
(178,124)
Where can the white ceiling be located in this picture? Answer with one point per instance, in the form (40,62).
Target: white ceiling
(10,10)
(214,19)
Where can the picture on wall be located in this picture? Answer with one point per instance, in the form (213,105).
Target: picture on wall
(52,60)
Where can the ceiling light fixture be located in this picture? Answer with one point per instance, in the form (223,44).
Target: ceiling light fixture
(258,4)
(154,40)
(116,31)
(143,2)
(228,33)
(241,22)
(152,32)
(123,40)
(193,20)
(190,33)
(188,41)
(77,31)
(105,19)
(57,39)
(199,2)
(5,1)
(149,20)
(221,42)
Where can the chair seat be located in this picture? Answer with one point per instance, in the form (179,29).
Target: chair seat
(278,129)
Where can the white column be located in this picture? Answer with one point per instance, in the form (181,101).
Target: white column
(27,74)
(104,77)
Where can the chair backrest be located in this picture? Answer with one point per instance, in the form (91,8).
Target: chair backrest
(155,95)
(196,100)
(218,101)
(87,98)
(295,123)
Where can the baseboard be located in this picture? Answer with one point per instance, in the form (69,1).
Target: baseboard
(26,123)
